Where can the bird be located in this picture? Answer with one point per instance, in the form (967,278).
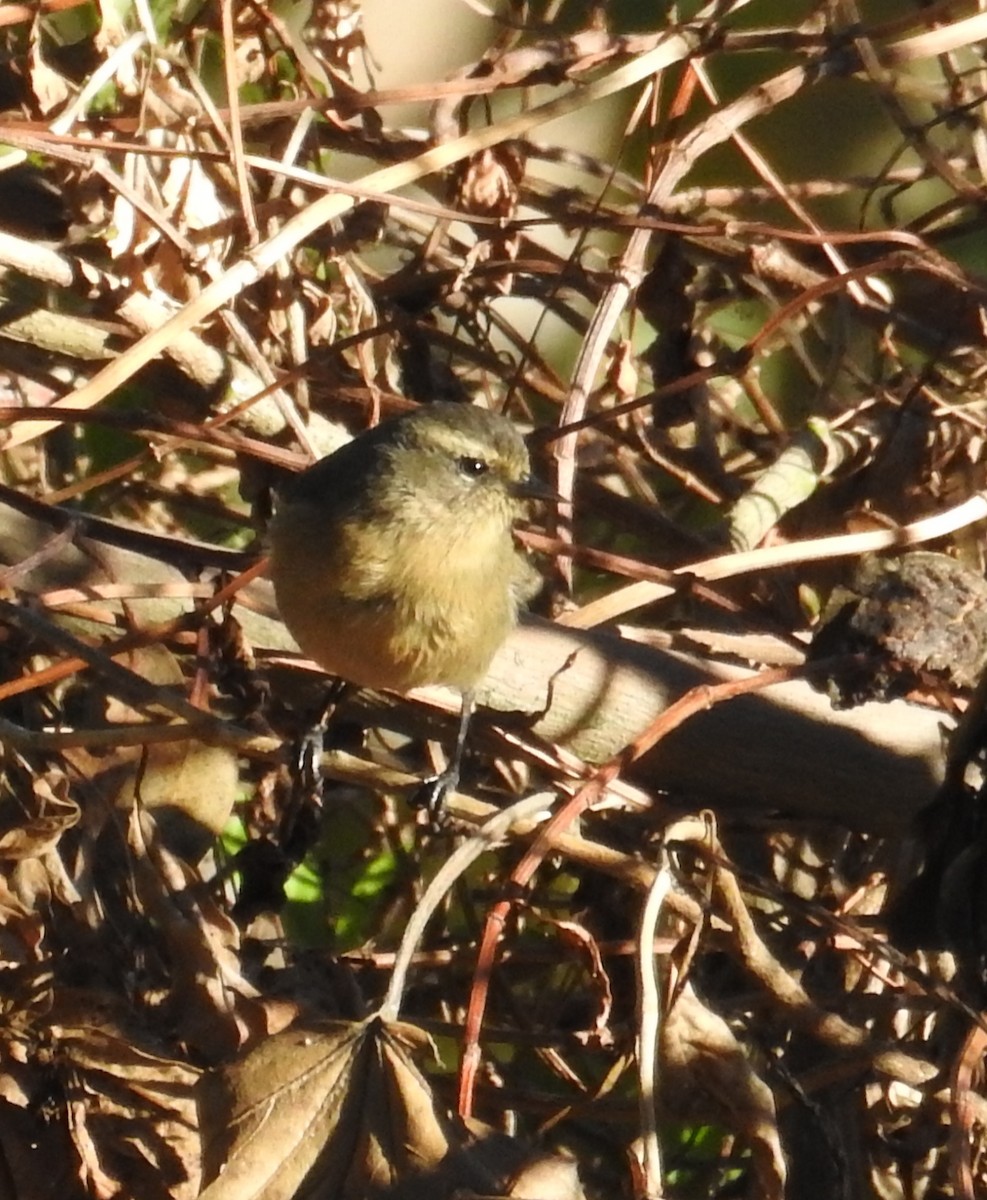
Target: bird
(393,559)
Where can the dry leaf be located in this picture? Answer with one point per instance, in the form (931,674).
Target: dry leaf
(101,1111)
(215,1006)
(340,1112)
(488,185)
(702,1059)
(51,90)
(547,1177)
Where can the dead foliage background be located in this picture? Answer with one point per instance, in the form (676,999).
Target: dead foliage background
(744,325)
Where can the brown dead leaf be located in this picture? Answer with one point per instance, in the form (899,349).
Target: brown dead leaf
(547,1177)
(37,833)
(488,185)
(337,1111)
(31,845)
(189,787)
(51,90)
(578,936)
(215,1007)
(120,1119)
(703,1062)
(21,931)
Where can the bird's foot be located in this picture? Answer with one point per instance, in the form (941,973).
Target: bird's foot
(309,758)
(431,795)
(312,743)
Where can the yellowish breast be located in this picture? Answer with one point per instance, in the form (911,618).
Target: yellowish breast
(389,611)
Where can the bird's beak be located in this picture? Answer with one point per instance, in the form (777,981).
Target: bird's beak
(533,488)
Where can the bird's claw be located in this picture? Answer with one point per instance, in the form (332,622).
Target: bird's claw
(432,794)
(309,758)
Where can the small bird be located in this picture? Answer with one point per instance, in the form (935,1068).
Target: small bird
(393,560)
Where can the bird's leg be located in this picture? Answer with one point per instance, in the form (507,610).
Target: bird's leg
(433,791)
(313,740)
(299,819)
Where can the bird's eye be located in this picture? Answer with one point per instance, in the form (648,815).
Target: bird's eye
(474,467)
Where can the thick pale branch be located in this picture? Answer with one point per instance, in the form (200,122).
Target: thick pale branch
(785,748)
